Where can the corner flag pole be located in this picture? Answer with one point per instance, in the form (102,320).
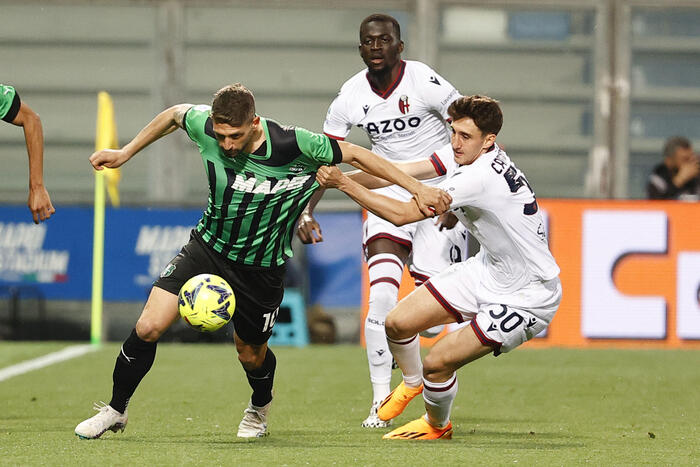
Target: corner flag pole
(105,138)
(98,240)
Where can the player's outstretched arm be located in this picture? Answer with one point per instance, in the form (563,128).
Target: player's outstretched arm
(396,212)
(308,230)
(420,170)
(163,124)
(430,200)
(39,202)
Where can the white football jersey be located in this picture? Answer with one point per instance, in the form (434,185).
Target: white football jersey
(404,123)
(496,203)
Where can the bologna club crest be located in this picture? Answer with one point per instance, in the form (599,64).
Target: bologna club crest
(403,104)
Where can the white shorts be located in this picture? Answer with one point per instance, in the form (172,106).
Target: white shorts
(502,322)
(432,250)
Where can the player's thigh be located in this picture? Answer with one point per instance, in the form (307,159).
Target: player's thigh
(416,312)
(505,326)
(258,297)
(383,245)
(381,236)
(452,352)
(159,313)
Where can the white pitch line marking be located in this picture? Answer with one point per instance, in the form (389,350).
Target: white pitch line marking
(46,360)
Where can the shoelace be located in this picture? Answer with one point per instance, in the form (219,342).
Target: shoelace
(99,405)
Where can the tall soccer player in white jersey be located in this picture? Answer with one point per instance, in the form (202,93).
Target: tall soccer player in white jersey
(402,106)
(509,291)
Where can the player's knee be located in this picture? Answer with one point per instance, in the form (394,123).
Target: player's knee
(149,330)
(250,359)
(382,298)
(397,328)
(435,366)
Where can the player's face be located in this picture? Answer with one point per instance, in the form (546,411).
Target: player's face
(380,49)
(468,142)
(235,139)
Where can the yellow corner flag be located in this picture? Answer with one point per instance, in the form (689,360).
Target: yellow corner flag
(106,138)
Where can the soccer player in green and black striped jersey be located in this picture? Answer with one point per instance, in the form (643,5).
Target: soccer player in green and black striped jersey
(261,175)
(14,110)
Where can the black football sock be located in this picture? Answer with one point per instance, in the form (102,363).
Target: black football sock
(135,359)
(261,380)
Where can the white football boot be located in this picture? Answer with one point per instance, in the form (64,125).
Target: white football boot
(254,423)
(106,419)
(373,421)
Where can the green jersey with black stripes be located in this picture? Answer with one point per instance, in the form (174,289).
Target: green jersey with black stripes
(255,199)
(9,103)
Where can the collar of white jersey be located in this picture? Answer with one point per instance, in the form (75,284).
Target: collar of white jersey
(392,87)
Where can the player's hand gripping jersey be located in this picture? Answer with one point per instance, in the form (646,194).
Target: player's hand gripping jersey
(496,203)
(406,122)
(256,199)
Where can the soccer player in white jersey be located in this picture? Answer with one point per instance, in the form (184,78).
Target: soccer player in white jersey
(402,106)
(509,291)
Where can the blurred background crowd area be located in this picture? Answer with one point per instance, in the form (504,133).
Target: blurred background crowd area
(590,89)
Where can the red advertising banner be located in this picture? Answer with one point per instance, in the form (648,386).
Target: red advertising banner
(630,272)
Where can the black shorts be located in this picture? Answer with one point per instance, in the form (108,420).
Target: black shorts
(258,291)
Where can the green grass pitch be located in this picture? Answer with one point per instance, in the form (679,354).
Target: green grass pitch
(529,407)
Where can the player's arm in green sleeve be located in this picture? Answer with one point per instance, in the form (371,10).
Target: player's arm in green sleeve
(39,201)
(163,124)
(420,170)
(395,211)
(431,200)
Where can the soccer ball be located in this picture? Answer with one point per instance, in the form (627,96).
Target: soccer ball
(206,302)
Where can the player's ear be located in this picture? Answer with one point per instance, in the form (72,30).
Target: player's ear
(401,47)
(490,139)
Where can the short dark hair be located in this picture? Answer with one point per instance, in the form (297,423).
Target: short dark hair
(674,143)
(382,18)
(233,104)
(485,112)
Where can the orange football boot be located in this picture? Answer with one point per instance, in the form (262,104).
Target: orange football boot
(396,402)
(420,429)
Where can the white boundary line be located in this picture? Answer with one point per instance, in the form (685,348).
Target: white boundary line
(46,360)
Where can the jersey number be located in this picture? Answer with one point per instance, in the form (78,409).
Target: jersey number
(515,182)
(510,322)
(270,319)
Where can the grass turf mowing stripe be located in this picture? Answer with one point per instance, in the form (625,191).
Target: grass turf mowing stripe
(45,360)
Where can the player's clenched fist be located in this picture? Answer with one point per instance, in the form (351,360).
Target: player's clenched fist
(329,176)
(431,200)
(110,158)
(308,229)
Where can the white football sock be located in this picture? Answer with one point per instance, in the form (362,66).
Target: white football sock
(385,271)
(438,400)
(407,355)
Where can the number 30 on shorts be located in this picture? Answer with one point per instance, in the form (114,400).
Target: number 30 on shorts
(508,320)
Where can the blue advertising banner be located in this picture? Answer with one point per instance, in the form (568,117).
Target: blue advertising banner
(139,243)
(335,265)
(55,257)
